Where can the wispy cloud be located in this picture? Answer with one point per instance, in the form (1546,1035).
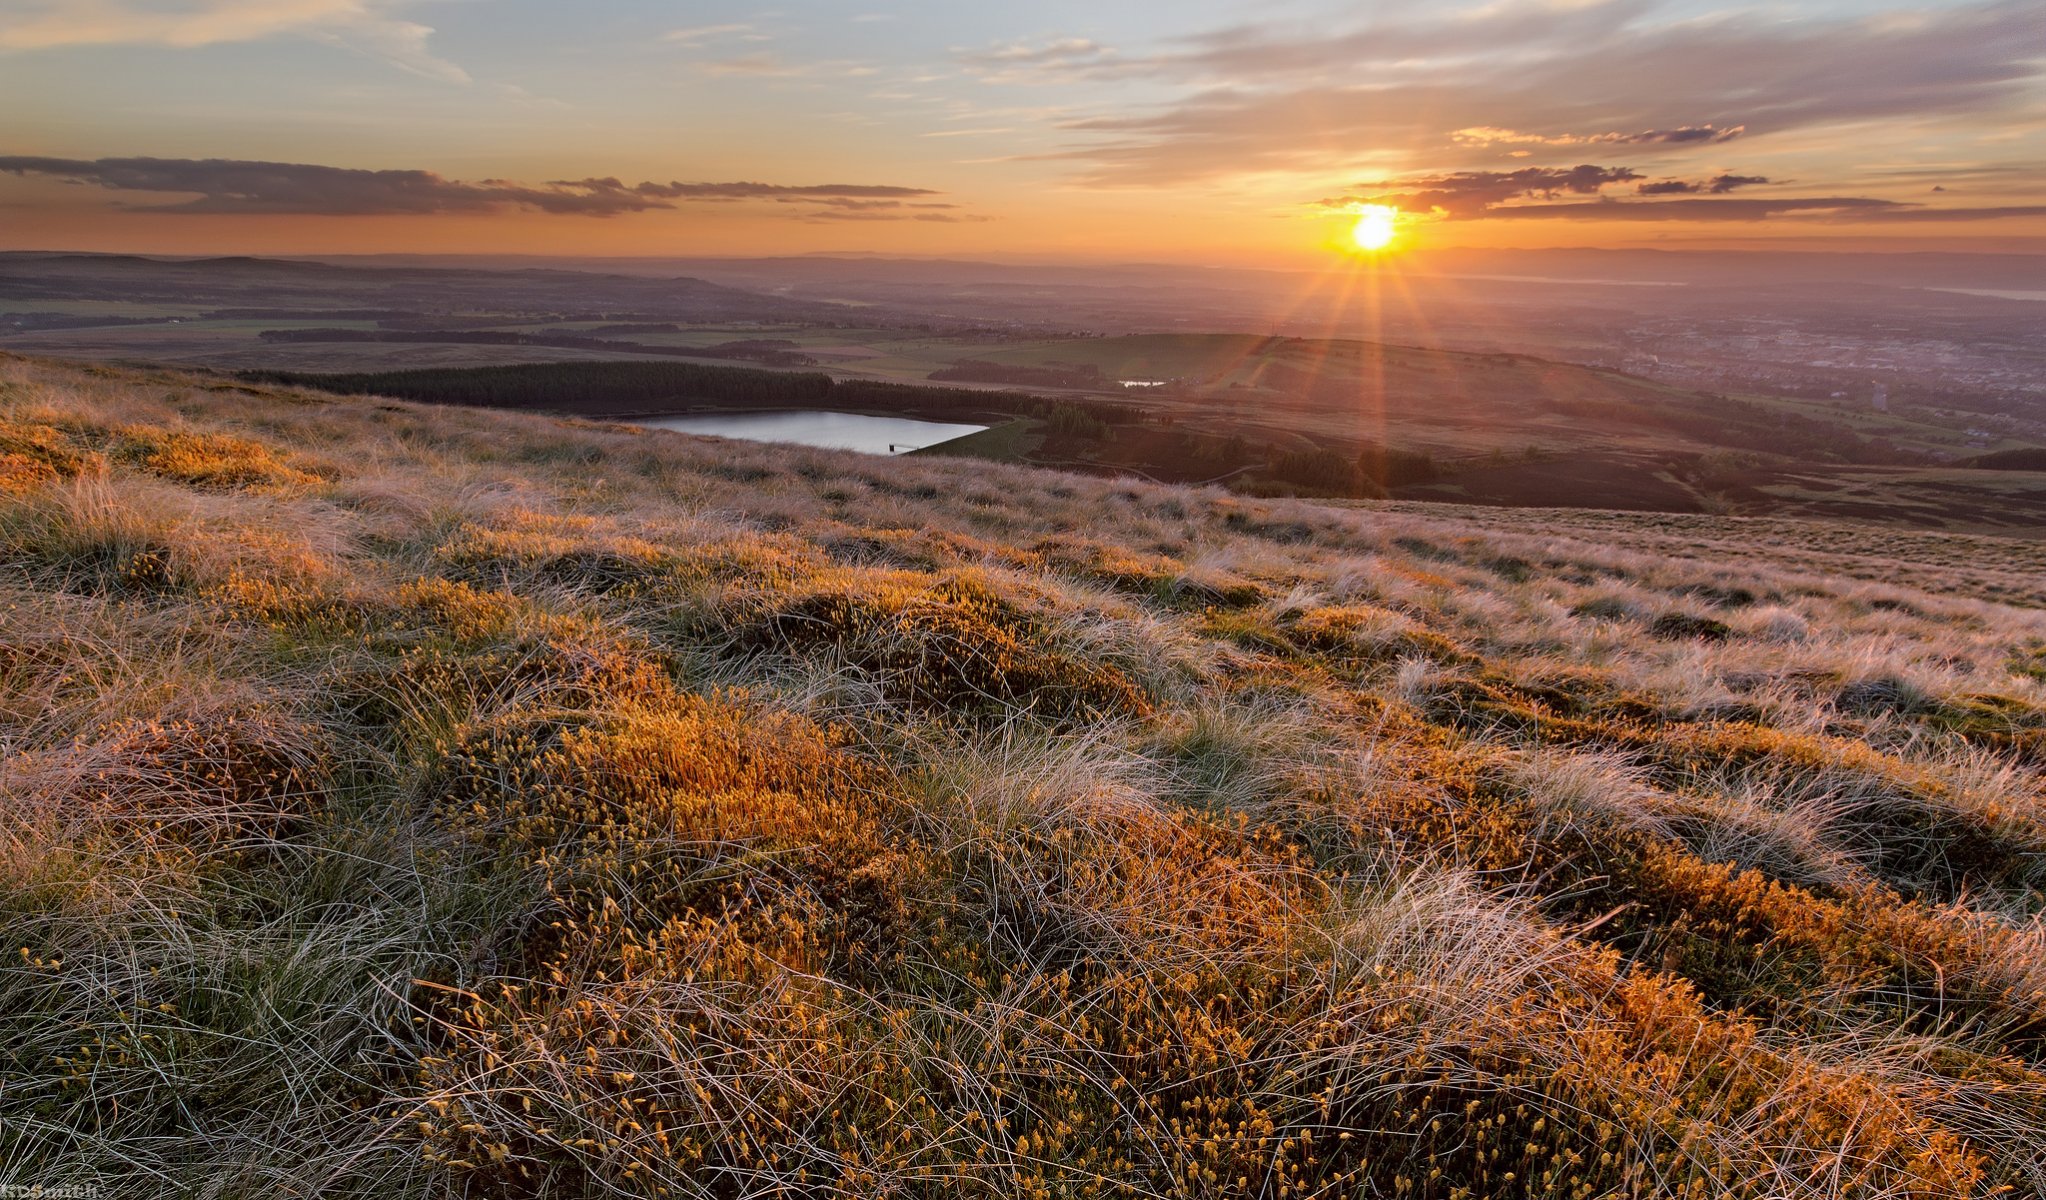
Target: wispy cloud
(1940,215)
(840,214)
(370,26)
(760,62)
(765,64)
(757,191)
(696,37)
(1837,208)
(1265,98)
(1682,135)
(1025,62)
(851,209)
(241,187)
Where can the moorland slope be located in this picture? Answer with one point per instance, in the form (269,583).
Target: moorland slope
(415,802)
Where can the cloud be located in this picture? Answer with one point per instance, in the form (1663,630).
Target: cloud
(1831,208)
(847,208)
(1858,207)
(235,186)
(1023,62)
(728,42)
(1534,193)
(697,36)
(849,205)
(1256,55)
(1716,186)
(1476,193)
(1270,98)
(755,191)
(759,63)
(763,64)
(1987,213)
(1682,135)
(842,214)
(368,26)
(1472,195)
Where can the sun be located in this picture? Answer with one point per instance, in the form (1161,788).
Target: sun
(1377,225)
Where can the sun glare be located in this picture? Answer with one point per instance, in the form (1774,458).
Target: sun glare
(1376,226)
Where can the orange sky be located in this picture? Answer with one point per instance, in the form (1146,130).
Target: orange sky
(1204,130)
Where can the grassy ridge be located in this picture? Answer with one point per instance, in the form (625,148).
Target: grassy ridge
(425,802)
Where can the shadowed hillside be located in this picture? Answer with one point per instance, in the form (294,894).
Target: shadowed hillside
(428,802)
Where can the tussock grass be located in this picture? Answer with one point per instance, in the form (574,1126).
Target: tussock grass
(404,802)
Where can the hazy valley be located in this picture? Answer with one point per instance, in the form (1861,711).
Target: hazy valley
(1286,413)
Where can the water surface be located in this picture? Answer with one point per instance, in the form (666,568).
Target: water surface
(828,430)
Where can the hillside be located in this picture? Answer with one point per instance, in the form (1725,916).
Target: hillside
(1475,429)
(417,802)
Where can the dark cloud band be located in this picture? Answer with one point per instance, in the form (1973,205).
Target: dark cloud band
(1532,193)
(1716,186)
(243,187)
(1474,193)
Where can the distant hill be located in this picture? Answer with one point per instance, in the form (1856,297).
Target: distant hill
(284,283)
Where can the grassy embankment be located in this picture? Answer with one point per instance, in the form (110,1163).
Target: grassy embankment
(411,802)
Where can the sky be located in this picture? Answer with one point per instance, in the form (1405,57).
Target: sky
(1194,130)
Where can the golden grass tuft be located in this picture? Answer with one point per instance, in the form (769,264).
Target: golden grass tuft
(209,460)
(33,454)
(952,643)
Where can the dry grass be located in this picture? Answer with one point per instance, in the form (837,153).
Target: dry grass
(402,802)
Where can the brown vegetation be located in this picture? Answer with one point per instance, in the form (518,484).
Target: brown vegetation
(413,802)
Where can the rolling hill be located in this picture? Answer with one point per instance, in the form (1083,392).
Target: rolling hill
(1287,416)
(413,801)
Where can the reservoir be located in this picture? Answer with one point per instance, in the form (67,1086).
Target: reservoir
(828,430)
